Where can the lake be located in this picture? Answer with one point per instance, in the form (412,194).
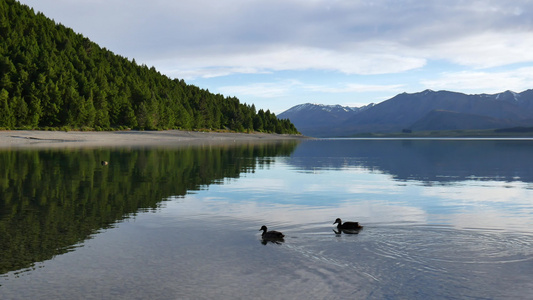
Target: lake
(443,219)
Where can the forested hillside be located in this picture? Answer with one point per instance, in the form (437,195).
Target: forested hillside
(51,77)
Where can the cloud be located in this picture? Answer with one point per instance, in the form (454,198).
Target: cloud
(285,57)
(262,89)
(485,50)
(204,38)
(354,87)
(490,82)
(378,37)
(283,88)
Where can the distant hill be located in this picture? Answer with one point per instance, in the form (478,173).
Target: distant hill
(451,120)
(318,119)
(423,111)
(52,77)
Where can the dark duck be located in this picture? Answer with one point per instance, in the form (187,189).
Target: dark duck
(347,227)
(274,236)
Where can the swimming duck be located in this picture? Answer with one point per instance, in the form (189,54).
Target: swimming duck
(104,163)
(347,225)
(271,234)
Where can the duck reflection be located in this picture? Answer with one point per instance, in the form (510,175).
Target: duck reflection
(272,236)
(347,231)
(273,241)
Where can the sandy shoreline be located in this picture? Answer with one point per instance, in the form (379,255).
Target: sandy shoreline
(56,139)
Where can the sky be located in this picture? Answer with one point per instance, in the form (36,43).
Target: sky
(276,54)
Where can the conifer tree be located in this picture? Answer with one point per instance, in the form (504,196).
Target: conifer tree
(6,115)
(52,77)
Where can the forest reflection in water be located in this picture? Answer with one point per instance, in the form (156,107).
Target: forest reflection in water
(52,200)
(444,219)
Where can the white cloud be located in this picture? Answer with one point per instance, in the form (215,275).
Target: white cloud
(351,37)
(485,50)
(490,82)
(284,88)
(262,89)
(287,57)
(204,39)
(380,37)
(354,88)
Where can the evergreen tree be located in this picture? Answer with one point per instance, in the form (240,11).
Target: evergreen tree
(6,115)
(20,111)
(52,77)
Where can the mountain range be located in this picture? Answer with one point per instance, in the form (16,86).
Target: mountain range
(424,111)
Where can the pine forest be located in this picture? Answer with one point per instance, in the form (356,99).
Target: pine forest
(52,78)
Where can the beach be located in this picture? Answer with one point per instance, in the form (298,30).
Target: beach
(130,138)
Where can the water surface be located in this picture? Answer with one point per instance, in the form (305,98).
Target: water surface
(444,219)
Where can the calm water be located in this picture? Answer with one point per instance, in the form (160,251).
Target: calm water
(444,219)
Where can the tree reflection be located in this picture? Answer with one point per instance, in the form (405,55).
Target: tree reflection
(52,200)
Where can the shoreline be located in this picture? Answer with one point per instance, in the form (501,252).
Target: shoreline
(20,139)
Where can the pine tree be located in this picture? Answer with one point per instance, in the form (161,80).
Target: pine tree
(54,77)
(6,115)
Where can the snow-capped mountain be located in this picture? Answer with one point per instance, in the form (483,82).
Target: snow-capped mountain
(312,118)
(426,110)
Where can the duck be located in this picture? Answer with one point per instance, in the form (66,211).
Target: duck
(347,225)
(104,163)
(271,234)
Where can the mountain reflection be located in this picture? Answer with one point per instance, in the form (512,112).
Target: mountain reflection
(426,160)
(52,200)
